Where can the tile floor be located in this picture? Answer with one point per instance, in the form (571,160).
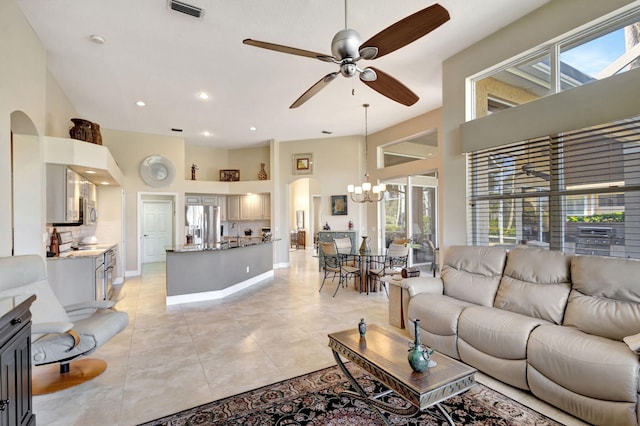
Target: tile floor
(173,358)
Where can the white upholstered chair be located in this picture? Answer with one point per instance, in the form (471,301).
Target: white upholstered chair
(55,337)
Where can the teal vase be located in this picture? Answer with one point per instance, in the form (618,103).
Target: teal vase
(418,353)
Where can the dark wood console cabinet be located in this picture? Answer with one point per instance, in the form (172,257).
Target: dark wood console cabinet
(16,407)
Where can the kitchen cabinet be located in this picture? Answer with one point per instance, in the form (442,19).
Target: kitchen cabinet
(193,200)
(73,280)
(16,406)
(216,200)
(233,207)
(250,207)
(63,195)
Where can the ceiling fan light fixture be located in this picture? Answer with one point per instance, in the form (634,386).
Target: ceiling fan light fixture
(368,52)
(368,74)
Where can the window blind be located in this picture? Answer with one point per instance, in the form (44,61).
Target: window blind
(577,191)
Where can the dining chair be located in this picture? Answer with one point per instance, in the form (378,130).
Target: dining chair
(391,263)
(343,245)
(334,264)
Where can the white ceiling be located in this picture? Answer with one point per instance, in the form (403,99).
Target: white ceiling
(166,58)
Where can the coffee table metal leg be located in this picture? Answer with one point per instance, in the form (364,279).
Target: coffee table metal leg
(374,404)
(444,413)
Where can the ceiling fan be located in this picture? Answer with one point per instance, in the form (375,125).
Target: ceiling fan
(347,49)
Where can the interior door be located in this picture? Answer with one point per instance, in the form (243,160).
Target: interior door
(157,230)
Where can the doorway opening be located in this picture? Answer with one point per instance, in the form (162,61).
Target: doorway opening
(409,211)
(156,226)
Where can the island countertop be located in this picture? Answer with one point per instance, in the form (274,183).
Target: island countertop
(226,245)
(197,273)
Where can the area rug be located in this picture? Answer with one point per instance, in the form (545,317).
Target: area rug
(312,399)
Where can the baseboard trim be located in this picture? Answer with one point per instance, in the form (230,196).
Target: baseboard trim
(218,294)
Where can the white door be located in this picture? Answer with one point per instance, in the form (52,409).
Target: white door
(157,221)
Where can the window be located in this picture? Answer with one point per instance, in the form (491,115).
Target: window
(578,191)
(416,148)
(606,49)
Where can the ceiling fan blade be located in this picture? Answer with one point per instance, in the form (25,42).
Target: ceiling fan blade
(392,88)
(407,30)
(314,89)
(289,50)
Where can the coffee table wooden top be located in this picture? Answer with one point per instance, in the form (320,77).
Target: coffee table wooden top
(383,353)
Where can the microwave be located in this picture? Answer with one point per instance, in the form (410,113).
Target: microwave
(89,213)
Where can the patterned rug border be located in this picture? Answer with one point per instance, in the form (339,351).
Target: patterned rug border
(167,419)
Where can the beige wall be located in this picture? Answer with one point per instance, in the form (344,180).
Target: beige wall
(332,171)
(59,110)
(546,23)
(22,88)
(208,160)
(248,160)
(129,150)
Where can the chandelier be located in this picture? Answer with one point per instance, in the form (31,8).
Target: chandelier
(366,193)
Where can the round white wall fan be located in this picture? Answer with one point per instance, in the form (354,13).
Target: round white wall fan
(157,171)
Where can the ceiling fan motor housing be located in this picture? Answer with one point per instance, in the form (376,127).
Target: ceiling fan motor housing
(345,44)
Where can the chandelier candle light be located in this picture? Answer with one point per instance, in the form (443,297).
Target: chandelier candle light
(366,193)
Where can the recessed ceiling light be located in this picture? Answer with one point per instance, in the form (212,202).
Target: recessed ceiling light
(91,172)
(105,183)
(141,103)
(203,95)
(96,39)
(206,133)
(253,128)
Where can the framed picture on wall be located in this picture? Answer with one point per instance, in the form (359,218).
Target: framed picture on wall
(302,164)
(338,205)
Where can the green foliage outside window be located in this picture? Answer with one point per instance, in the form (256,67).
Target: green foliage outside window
(598,218)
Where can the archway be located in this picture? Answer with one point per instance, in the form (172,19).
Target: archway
(303,210)
(27,183)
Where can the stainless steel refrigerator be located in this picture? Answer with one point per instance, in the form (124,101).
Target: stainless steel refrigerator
(203,224)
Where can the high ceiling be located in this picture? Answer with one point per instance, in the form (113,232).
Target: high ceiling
(166,58)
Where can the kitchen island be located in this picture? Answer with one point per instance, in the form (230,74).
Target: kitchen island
(196,272)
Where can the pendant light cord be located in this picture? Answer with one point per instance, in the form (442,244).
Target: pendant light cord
(366,142)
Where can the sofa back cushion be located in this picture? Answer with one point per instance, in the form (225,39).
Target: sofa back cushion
(535,283)
(605,296)
(472,273)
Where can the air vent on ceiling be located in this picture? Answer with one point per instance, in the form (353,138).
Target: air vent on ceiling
(185,8)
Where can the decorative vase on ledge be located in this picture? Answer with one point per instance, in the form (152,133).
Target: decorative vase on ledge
(81,130)
(262,174)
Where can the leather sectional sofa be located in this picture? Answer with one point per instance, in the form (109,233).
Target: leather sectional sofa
(564,327)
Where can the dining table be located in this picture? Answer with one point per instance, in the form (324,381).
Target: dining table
(363,261)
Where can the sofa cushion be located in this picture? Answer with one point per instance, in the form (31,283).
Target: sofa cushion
(535,283)
(605,296)
(588,365)
(501,334)
(473,273)
(437,314)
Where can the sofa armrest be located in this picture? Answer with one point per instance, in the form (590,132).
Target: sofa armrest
(633,342)
(419,285)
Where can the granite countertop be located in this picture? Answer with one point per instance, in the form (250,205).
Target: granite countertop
(227,245)
(92,250)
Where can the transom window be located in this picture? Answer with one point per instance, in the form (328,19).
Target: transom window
(606,49)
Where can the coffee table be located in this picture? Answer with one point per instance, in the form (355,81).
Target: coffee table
(383,354)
